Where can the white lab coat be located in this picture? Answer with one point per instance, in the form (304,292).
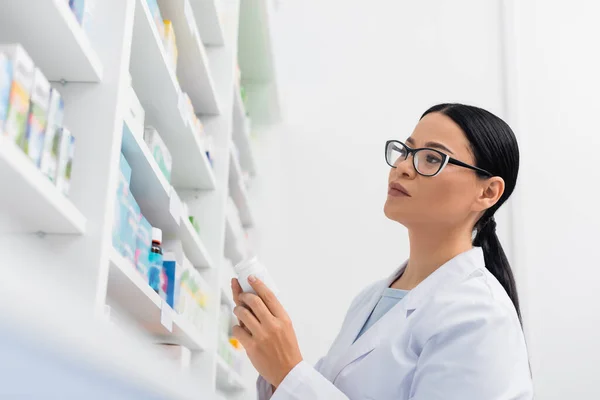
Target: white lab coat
(456,336)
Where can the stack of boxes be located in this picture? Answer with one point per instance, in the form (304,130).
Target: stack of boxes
(187,291)
(31,116)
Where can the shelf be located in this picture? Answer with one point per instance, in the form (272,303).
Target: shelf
(128,292)
(227,297)
(158,90)
(148,184)
(193,247)
(53,38)
(228,380)
(232,248)
(153,193)
(193,69)
(241,134)
(209,21)
(34,203)
(240,198)
(235,169)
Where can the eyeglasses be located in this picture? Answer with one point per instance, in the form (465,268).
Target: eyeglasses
(427,162)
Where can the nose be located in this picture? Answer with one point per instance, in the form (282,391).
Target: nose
(406,168)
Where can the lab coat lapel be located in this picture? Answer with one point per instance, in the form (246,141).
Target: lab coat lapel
(347,348)
(454,270)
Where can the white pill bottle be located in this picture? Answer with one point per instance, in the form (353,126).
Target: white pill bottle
(252,266)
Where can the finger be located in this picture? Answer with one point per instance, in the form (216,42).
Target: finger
(242,335)
(248,319)
(236,289)
(257,306)
(267,296)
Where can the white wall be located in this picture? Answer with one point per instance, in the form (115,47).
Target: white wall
(557,225)
(354,74)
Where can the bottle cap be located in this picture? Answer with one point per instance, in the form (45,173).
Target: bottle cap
(244,264)
(156,235)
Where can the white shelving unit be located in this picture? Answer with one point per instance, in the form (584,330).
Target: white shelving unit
(43,25)
(131,294)
(35,204)
(207,15)
(228,380)
(63,245)
(193,70)
(241,135)
(157,87)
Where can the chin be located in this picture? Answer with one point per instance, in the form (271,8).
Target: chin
(395,213)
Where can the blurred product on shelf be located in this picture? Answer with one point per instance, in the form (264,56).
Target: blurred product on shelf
(65,161)
(155,268)
(193,296)
(50,152)
(135,114)
(180,354)
(225,319)
(126,215)
(244,96)
(33,143)
(159,151)
(170,44)
(21,73)
(195,223)
(143,246)
(158,20)
(190,117)
(209,145)
(172,270)
(79,9)
(31,115)
(5,84)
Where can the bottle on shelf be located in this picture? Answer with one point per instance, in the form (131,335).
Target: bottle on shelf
(156,261)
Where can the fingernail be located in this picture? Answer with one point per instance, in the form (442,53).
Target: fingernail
(252,279)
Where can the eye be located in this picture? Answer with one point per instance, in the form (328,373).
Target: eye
(433,159)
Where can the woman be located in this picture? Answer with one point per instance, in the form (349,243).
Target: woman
(445,325)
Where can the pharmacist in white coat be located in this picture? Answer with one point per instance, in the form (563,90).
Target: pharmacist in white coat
(445,325)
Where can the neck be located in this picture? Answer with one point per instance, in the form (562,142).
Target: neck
(429,250)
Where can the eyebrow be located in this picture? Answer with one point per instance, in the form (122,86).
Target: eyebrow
(433,145)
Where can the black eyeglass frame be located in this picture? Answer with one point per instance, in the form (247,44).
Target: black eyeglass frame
(447,159)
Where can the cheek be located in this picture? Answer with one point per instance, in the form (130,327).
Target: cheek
(447,198)
(442,199)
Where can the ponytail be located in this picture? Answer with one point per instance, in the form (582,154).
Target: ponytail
(495,149)
(495,259)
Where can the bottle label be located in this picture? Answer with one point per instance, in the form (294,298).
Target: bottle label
(154,271)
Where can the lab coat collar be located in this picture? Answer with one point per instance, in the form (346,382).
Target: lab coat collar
(452,271)
(348,350)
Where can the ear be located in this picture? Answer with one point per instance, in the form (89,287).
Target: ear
(491,190)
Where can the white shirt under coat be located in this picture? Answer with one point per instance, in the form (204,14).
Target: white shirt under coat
(456,336)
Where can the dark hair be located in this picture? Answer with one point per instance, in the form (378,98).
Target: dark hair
(495,148)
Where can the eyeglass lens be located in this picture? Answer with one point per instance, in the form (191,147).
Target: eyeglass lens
(426,162)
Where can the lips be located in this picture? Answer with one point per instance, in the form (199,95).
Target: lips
(397,190)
